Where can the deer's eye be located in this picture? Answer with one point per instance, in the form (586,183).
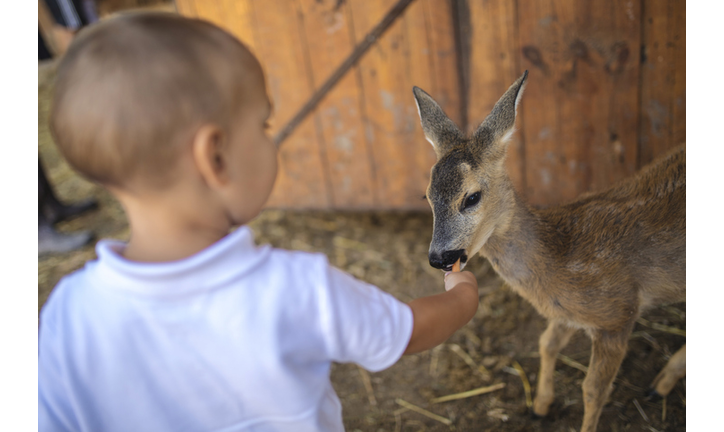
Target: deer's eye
(471,200)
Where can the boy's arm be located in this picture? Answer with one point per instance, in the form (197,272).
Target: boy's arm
(437,317)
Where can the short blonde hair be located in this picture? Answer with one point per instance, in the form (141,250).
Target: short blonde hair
(132,91)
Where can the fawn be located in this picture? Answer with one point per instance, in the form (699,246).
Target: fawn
(594,264)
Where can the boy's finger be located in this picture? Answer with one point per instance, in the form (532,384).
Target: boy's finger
(459,277)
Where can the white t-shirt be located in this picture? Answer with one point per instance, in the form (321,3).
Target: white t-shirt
(236,337)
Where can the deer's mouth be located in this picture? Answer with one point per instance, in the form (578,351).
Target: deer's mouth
(463,261)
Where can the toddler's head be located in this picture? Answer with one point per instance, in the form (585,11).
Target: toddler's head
(146,102)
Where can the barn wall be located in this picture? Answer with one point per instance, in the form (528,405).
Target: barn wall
(362,148)
(605,94)
(606,90)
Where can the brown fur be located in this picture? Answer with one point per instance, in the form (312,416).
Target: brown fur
(595,263)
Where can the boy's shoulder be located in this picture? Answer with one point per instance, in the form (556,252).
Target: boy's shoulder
(68,293)
(297,261)
(305,272)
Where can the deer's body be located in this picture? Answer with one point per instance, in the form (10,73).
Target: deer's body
(601,260)
(595,263)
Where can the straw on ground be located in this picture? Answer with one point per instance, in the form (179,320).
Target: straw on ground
(424,412)
(365,376)
(641,411)
(469,360)
(469,393)
(526,383)
(661,327)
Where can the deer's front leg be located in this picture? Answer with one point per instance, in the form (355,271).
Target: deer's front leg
(551,342)
(607,352)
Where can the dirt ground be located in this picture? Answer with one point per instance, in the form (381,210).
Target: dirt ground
(389,249)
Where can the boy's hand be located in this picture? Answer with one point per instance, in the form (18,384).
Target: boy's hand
(452,279)
(437,317)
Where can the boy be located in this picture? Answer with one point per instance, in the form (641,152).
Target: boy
(188,326)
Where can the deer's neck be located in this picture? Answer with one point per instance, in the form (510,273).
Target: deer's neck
(514,248)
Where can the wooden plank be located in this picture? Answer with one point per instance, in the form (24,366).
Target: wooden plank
(402,159)
(301,181)
(494,66)
(419,61)
(616,155)
(581,112)
(441,40)
(186,7)
(328,42)
(663,79)
(678,34)
(107,8)
(380,77)
(235,16)
(656,81)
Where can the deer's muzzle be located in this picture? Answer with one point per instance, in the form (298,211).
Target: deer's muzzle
(445,260)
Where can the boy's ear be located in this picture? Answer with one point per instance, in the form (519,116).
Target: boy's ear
(209,156)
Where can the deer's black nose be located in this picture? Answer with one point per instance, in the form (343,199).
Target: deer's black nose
(447,259)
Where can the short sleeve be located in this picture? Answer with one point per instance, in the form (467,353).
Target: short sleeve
(364,324)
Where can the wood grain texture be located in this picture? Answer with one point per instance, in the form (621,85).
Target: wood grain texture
(494,66)
(581,107)
(382,77)
(338,117)
(441,47)
(403,57)
(678,101)
(663,78)
(419,62)
(234,16)
(379,81)
(301,181)
(606,91)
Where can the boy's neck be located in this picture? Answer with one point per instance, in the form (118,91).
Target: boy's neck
(167,229)
(152,245)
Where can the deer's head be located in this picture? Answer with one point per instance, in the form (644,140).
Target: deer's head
(468,184)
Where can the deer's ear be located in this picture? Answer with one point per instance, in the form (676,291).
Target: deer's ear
(499,125)
(438,128)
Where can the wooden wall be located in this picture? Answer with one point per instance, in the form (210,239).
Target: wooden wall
(363,147)
(606,91)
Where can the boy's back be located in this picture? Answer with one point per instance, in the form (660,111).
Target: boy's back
(233,338)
